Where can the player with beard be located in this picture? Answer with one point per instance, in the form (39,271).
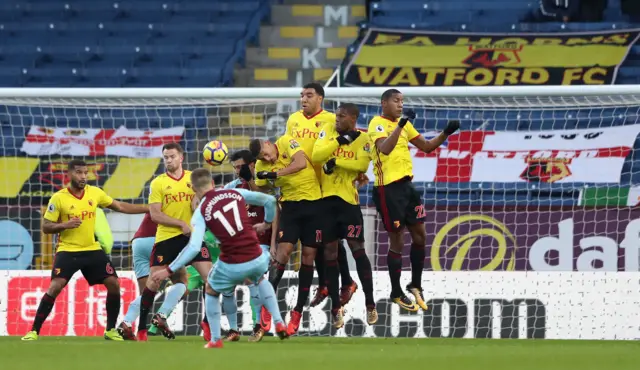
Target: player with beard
(397,201)
(71,213)
(345,154)
(171,204)
(244,166)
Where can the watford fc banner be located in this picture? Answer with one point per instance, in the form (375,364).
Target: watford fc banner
(417,58)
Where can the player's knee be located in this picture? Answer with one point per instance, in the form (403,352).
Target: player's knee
(210,291)
(396,241)
(355,246)
(331,254)
(418,234)
(56,287)
(113,285)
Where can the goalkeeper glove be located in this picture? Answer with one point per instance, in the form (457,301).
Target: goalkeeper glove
(329,166)
(349,137)
(452,126)
(408,115)
(262,175)
(245,173)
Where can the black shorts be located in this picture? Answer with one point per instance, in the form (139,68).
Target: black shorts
(399,204)
(343,220)
(94,265)
(302,220)
(167,251)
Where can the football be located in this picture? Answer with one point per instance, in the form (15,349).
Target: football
(215,153)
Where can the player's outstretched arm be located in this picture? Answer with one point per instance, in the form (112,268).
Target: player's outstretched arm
(428,146)
(255,198)
(128,208)
(198,228)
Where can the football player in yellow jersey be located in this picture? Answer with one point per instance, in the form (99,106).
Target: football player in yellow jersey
(72,214)
(396,199)
(345,154)
(285,165)
(171,204)
(304,126)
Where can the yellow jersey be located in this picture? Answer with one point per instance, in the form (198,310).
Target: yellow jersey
(398,164)
(305,130)
(63,206)
(302,185)
(351,160)
(175,196)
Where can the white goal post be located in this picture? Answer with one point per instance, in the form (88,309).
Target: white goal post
(532,229)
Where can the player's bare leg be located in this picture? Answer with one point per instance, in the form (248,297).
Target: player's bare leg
(394,263)
(126,326)
(363,265)
(112,308)
(347,286)
(44,308)
(304,285)
(333,277)
(418,244)
(146,301)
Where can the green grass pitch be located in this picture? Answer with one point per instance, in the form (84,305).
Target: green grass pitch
(304,353)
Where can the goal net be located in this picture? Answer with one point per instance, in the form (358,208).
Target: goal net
(531,226)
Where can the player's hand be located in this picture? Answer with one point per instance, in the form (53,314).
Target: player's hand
(272,252)
(186,229)
(245,173)
(160,275)
(73,223)
(349,137)
(452,126)
(362,180)
(406,116)
(262,227)
(330,166)
(266,175)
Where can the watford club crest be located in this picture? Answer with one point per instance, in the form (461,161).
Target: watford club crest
(91,202)
(493,55)
(546,170)
(318,124)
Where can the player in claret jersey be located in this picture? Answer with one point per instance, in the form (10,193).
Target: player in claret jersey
(171,204)
(397,201)
(345,154)
(242,261)
(244,166)
(72,214)
(305,126)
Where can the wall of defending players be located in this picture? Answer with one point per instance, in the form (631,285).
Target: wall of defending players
(462,305)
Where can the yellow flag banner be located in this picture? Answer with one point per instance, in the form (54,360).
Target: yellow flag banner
(417,58)
(33,181)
